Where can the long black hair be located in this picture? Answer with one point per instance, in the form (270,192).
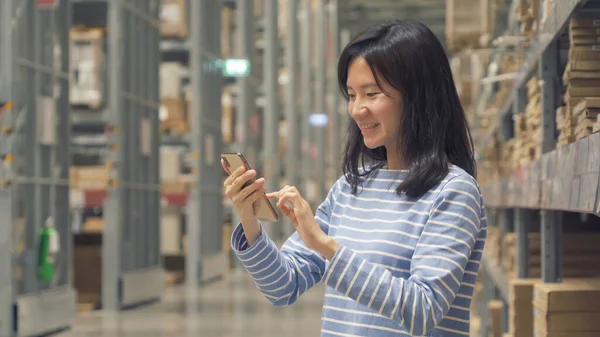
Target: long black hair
(434,131)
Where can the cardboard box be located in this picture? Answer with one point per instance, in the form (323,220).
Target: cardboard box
(170,80)
(170,162)
(89,177)
(170,231)
(86,66)
(173,22)
(571,295)
(495,315)
(521,307)
(172,109)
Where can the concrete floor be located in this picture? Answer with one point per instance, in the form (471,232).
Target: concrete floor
(229,308)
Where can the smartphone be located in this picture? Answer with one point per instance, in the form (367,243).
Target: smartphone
(233,161)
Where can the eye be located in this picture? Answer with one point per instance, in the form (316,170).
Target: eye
(373,94)
(351,96)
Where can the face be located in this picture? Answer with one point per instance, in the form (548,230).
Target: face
(376,114)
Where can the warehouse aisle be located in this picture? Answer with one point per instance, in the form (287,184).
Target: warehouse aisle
(229,308)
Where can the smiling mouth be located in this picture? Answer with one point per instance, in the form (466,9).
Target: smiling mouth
(369,126)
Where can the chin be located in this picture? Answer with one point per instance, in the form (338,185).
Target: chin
(372,145)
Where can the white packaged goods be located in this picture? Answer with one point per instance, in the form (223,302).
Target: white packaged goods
(86,67)
(170,80)
(172,19)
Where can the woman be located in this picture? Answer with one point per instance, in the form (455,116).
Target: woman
(399,237)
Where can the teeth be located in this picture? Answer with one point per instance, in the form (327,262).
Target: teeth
(370,126)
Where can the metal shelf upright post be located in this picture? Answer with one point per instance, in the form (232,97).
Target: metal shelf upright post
(551,224)
(205,259)
(292,111)
(271,115)
(307,93)
(37,297)
(320,106)
(131,262)
(336,110)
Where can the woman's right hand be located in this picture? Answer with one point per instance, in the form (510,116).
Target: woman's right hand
(244,198)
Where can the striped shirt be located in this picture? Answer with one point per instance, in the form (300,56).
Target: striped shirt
(406,266)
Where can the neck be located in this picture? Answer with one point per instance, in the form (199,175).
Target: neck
(395,161)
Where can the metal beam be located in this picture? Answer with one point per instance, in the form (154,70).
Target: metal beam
(292,113)
(272,112)
(333,91)
(307,96)
(320,106)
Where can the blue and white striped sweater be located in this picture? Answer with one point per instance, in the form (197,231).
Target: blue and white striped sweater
(406,267)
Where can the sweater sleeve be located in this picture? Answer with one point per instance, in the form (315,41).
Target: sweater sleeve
(283,275)
(420,302)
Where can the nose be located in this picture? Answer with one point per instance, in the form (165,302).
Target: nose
(358,109)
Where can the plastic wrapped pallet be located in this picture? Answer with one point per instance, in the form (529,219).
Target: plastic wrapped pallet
(173,23)
(86,67)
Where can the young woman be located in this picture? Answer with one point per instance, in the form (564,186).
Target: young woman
(399,237)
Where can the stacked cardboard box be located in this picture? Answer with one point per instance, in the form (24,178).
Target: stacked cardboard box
(586,112)
(581,76)
(509,160)
(565,126)
(528,127)
(597,126)
(527,14)
(495,308)
(570,308)
(87,67)
(581,255)
(520,320)
(173,23)
(466,22)
(173,111)
(89,177)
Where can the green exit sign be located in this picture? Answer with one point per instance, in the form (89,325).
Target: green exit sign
(236,68)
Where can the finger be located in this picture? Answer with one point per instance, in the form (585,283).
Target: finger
(233,176)
(292,198)
(247,191)
(239,182)
(225,166)
(273,195)
(254,196)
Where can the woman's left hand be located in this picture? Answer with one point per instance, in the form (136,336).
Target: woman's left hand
(291,203)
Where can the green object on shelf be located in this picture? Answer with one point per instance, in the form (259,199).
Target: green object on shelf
(48,248)
(236,68)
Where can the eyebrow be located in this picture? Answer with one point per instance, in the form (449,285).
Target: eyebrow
(365,86)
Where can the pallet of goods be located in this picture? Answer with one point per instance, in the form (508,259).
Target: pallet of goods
(586,113)
(86,52)
(581,79)
(467,22)
(581,255)
(520,303)
(527,127)
(569,308)
(173,23)
(527,14)
(173,110)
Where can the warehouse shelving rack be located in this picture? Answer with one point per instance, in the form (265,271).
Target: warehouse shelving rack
(128,143)
(205,259)
(565,179)
(35,172)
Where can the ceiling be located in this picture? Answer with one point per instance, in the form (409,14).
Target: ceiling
(360,14)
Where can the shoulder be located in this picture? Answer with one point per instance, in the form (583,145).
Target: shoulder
(461,187)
